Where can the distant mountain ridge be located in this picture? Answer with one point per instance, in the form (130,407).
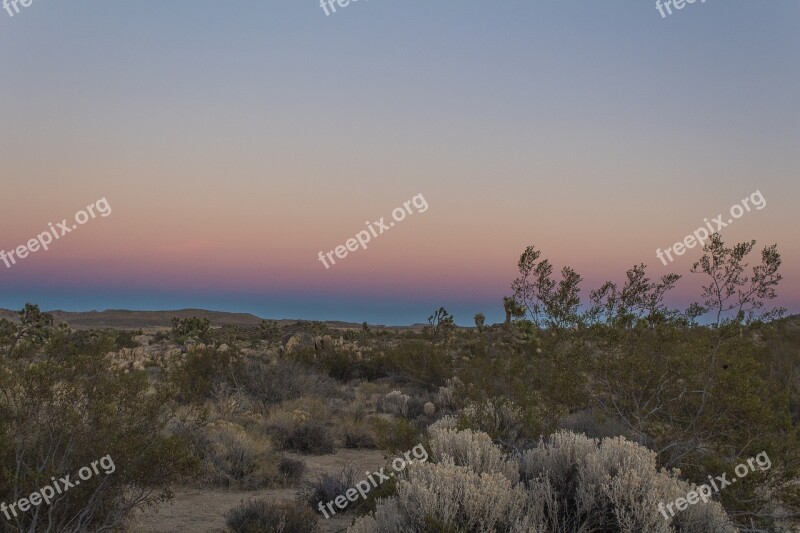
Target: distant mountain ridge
(125,319)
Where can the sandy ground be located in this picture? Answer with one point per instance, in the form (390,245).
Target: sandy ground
(203,510)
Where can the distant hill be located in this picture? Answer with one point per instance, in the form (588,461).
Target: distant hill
(123,319)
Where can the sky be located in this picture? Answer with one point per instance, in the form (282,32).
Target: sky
(235,141)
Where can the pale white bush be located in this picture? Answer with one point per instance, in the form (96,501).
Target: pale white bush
(446,422)
(450,397)
(473,450)
(499,417)
(616,478)
(396,403)
(569,483)
(438,496)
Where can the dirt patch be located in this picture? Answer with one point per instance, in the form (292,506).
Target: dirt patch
(203,510)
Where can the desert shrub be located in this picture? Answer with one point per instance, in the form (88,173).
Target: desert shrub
(415,361)
(396,403)
(302,429)
(269,330)
(232,457)
(327,487)
(57,417)
(311,437)
(341,365)
(124,339)
(569,483)
(31,331)
(384,490)
(291,469)
(416,405)
(357,409)
(612,483)
(545,386)
(260,516)
(199,373)
(452,396)
(657,380)
(228,334)
(396,435)
(470,449)
(447,497)
(286,379)
(232,404)
(357,434)
(499,417)
(594,424)
(183,328)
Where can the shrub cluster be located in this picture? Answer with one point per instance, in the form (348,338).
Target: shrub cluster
(567,483)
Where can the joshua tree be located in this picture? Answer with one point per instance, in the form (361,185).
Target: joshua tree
(513,309)
(441,322)
(479,321)
(34,327)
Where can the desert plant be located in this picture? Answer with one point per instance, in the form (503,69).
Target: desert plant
(326,487)
(499,417)
(260,516)
(357,434)
(396,435)
(302,429)
(57,416)
(396,403)
(199,373)
(480,319)
(512,309)
(549,303)
(284,380)
(32,330)
(568,483)
(311,437)
(183,328)
(730,289)
(232,457)
(441,324)
(291,469)
(472,449)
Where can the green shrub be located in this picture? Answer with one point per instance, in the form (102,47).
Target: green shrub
(416,361)
(198,373)
(183,328)
(58,416)
(396,435)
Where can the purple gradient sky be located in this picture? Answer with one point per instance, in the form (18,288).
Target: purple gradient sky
(235,141)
